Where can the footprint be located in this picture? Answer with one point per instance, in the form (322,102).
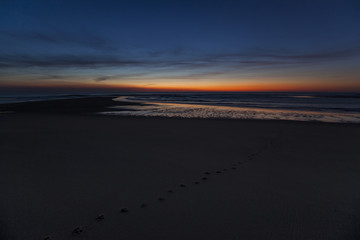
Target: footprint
(47,238)
(124,210)
(77,230)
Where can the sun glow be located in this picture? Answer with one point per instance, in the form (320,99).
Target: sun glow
(172,85)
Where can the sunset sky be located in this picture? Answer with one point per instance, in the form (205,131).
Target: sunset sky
(180,45)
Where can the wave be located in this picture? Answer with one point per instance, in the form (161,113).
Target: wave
(323,102)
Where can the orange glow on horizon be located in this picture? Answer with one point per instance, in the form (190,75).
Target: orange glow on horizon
(181,87)
(271,87)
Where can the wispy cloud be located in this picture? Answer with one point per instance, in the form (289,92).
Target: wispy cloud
(64,61)
(95,61)
(178,66)
(262,57)
(160,75)
(58,37)
(120,76)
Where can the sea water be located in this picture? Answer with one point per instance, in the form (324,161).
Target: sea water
(322,107)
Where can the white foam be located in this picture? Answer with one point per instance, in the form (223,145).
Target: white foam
(206,111)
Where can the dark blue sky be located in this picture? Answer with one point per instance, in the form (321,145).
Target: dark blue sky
(184,44)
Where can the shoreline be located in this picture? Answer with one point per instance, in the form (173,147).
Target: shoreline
(94,106)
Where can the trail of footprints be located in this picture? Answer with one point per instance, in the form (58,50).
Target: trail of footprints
(205,176)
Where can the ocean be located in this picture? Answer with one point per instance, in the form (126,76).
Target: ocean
(321,107)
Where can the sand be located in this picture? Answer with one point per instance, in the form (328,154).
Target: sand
(61,168)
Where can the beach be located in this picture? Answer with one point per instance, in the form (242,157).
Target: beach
(67,173)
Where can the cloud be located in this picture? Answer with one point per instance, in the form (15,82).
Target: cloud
(263,58)
(123,76)
(320,56)
(177,52)
(156,75)
(64,61)
(95,61)
(57,37)
(178,66)
(102,78)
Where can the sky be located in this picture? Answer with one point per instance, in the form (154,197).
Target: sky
(183,45)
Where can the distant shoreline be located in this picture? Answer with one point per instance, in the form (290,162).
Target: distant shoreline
(80,105)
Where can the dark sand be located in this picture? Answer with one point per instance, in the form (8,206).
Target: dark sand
(61,168)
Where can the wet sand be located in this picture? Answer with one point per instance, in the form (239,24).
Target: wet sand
(66,173)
